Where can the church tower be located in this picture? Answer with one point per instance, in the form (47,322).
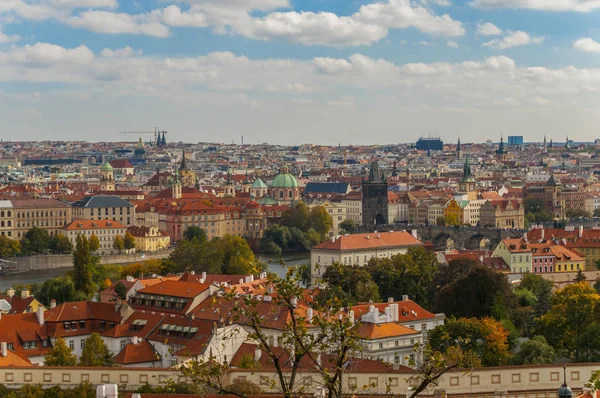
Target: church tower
(107,181)
(374,198)
(458,150)
(186,175)
(468,185)
(501,152)
(176,190)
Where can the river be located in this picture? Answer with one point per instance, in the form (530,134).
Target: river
(39,276)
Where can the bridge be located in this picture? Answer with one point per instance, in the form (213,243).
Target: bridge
(463,237)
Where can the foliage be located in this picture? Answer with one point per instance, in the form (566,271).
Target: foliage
(481,292)
(486,337)
(573,312)
(542,289)
(577,213)
(451,220)
(247,361)
(94,243)
(83,264)
(9,247)
(137,270)
(61,289)
(195,233)
(534,352)
(60,244)
(580,277)
(244,387)
(348,225)
(61,355)
(119,243)
(128,241)
(35,241)
(350,284)
(536,210)
(320,220)
(95,352)
(227,255)
(121,290)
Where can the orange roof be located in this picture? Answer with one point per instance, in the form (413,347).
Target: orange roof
(12,359)
(175,289)
(137,353)
(408,310)
(80,225)
(370,241)
(370,331)
(154,281)
(516,245)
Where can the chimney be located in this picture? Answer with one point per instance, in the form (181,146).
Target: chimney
(204,275)
(309,315)
(192,316)
(394,312)
(390,299)
(134,340)
(125,311)
(542,234)
(129,278)
(351,317)
(241,281)
(10,292)
(52,304)
(581,231)
(257,353)
(3,349)
(192,272)
(333,239)
(40,315)
(414,234)
(24,293)
(404,297)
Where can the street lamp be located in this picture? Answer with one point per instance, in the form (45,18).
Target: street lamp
(564,391)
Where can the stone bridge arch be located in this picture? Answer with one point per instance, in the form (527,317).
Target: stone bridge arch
(471,238)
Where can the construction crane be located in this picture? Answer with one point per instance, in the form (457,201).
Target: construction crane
(160,142)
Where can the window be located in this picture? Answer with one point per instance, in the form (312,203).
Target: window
(423,326)
(380,345)
(72,344)
(82,343)
(81,324)
(123,344)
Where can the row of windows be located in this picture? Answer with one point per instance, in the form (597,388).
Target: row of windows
(59,213)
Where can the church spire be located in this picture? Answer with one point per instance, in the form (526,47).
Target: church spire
(458,149)
(183,165)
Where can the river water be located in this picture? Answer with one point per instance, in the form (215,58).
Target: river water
(39,276)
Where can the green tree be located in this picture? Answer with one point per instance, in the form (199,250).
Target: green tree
(480,293)
(243,387)
(349,284)
(83,263)
(119,243)
(35,240)
(577,213)
(121,290)
(199,257)
(195,233)
(320,221)
(451,220)
(298,215)
(580,277)
(61,355)
(348,225)
(94,243)
(534,352)
(61,289)
(279,235)
(60,244)
(542,289)
(128,241)
(238,257)
(572,312)
(9,247)
(95,353)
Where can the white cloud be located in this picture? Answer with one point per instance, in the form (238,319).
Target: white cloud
(4,38)
(111,22)
(488,29)
(587,44)
(173,16)
(544,5)
(120,52)
(452,44)
(332,65)
(44,54)
(425,43)
(514,39)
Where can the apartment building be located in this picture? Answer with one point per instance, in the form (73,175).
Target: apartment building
(104,208)
(105,230)
(49,214)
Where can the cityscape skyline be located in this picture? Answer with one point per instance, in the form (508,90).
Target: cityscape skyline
(273,70)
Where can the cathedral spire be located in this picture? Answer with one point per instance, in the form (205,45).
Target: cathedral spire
(183,165)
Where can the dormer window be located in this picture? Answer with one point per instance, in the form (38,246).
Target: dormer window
(81,324)
(73,325)
(102,325)
(67,326)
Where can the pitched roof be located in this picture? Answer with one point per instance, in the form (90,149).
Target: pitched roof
(408,310)
(176,289)
(121,164)
(371,331)
(327,187)
(80,225)
(41,203)
(137,353)
(101,201)
(13,359)
(370,241)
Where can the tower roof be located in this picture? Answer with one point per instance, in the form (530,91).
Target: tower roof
(375,175)
(183,165)
(552,182)
(258,183)
(106,167)
(285,180)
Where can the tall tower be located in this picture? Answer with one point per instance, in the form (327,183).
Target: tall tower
(107,181)
(186,175)
(468,184)
(545,146)
(395,169)
(501,152)
(375,198)
(176,190)
(458,149)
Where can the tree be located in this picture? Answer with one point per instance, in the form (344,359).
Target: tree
(349,284)
(35,240)
(542,290)
(119,243)
(302,339)
(238,257)
(137,270)
(61,355)
(82,265)
(61,289)
(128,241)
(243,387)
(320,221)
(199,257)
(480,293)
(441,221)
(534,352)
(348,225)
(60,244)
(121,290)
(297,216)
(195,233)
(9,247)
(572,312)
(451,220)
(94,243)
(95,353)
(580,277)
(577,213)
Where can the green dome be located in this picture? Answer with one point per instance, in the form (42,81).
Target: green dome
(258,183)
(284,180)
(106,167)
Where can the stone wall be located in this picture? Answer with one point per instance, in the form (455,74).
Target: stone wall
(66,261)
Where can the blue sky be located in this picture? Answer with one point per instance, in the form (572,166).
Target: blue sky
(322,71)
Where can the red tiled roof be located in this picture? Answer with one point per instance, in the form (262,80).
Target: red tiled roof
(80,225)
(371,331)
(412,311)
(370,241)
(137,353)
(176,289)
(121,164)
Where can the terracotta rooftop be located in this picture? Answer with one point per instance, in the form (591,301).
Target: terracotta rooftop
(137,353)
(175,289)
(370,241)
(80,225)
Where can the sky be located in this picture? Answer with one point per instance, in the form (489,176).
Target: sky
(300,71)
